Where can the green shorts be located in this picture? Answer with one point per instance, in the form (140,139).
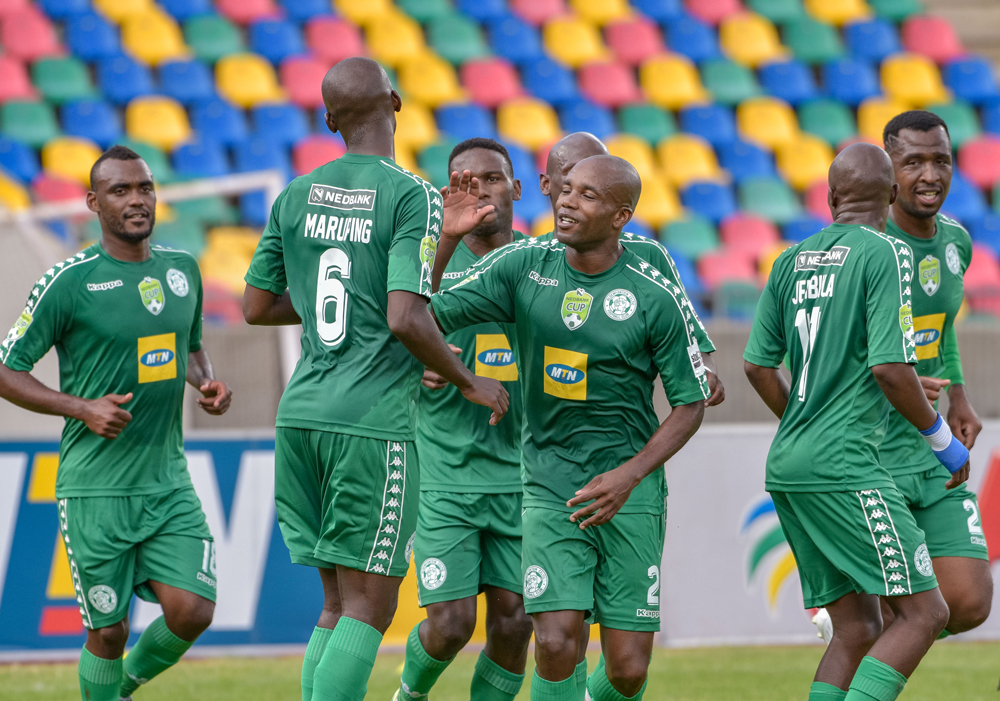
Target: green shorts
(864,541)
(117,545)
(346,500)
(949,517)
(611,571)
(466,542)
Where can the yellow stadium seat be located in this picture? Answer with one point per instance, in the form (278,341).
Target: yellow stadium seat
(366,11)
(118,10)
(227,255)
(874,113)
(246,80)
(394,37)
(837,11)
(601,11)
(70,157)
(750,39)
(429,79)
(766,261)
(672,82)
(543,224)
(766,120)
(528,122)
(405,159)
(804,160)
(912,79)
(573,41)
(686,158)
(160,121)
(415,127)
(13,197)
(636,151)
(658,203)
(153,37)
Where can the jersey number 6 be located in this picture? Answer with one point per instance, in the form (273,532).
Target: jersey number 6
(331,297)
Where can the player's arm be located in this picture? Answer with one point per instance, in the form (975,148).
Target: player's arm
(962,418)
(265,308)
(267,300)
(766,349)
(770,385)
(215,394)
(461,214)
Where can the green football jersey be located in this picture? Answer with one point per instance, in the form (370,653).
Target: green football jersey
(939,268)
(588,348)
(340,239)
(118,327)
(459,450)
(838,303)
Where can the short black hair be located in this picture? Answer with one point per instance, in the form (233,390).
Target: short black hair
(480,142)
(115,153)
(917,120)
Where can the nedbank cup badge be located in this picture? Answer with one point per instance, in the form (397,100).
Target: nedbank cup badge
(930,274)
(576,308)
(152,295)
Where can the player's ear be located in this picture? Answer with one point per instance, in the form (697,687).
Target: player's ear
(894,193)
(622,217)
(544,184)
(92,201)
(517,189)
(330,123)
(831,200)
(397,101)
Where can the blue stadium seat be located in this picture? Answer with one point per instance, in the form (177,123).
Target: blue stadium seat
(523,162)
(461,122)
(639,229)
(281,123)
(965,201)
(548,80)
(691,37)
(984,230)
(275,39)
(790,81)
(972,79)
(91,119)
(711,200)
(801,228)
(122,79)
(714,123)
(532,202)
(850,80)
(64,9)
(991,116)
(689,278)
(303,10)
(515,39)
(219,121)
(259,154)
(18,159)
(745,160)
(187,81)
(482,10)
(200,159)
(660,10)
(90,37)
(872,40)
(584,115)
(184,9)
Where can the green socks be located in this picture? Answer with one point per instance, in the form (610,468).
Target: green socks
(420,670)
(99,678)
(314,652)
(343,671)
(157,650)
(491,682)
(875,680)
(601,689)
(544,690)
(580,674)
(821,691)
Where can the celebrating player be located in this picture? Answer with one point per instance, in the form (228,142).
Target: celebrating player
(125,318)
(469,525)
(349,250)
(839,305)
(594,325)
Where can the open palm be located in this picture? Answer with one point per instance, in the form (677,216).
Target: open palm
(462,212)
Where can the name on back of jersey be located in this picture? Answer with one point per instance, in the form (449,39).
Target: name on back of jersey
(334,228)
(813,287)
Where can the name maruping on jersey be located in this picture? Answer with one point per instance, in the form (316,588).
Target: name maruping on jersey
(810,260)
(813,288)
(102,286)
(338,198)
(319,226)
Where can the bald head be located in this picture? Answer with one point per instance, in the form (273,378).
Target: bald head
(565,154)
(597,200)
(862,185)
(359,98)
(615,175)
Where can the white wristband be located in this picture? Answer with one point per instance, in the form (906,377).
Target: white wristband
(941,438)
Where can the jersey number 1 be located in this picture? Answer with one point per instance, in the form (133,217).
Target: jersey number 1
(331,297)
(808,325)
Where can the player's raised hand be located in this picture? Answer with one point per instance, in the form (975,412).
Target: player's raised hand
(462,212)
(105,417)
(488,392)
(609,492)
(959,477)
(216,397)
(933,386)
(431,380)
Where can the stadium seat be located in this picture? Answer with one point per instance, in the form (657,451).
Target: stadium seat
(778,11)
(424,10)
(636,151)
(491,81)
(729,82)
(691,236)
(584,115)
(672,82)
(747,234)
(157,120)
(49,188)
(830,120)
(933,37)
(658,203)
(850,80)
(415,127)
(601,12)
(64,9)
(155,158)
(70,157)
(811,41)
(979,160)
(14,82)
(483,10)
(247,80)
(573,41)
(28,35)
(429,79)
(912,79)
(895,10)
(181,235)
(537,12)
(816,203)
(685,158)
(801,228)
(873,114)
(246,11)
(433,161)
(207,211)
(837,12)
(991,117)
(301,77)
(211,37)
(711,200)
(766,121)
(750,39)
(457,39)
(185,9)
(972,79)
(62,79)
(90,37)
(332,39)
(713,123)
(227,250)
(962,121)
(965,201)
(220,121)
(92,119)
(532,203)
(261,154)
(281,122)
(118,10)
(646,121)
(790,81)
(13,196)
(634,40)
(393,37)
(18,159)
(692,38)
(461,122)
(713,11)
(524,166)
(200,159)
(275,39)
(659,10)
(736,300)
(766,261)
(186,81)
(743,160)
(153,37)
(550,81)
(32,123)
(984,270)
(305,10)
(364,13)
(804,160)
(515,40)
(871,40)
(985,231)
(609,84)
(718,267)
(771,198)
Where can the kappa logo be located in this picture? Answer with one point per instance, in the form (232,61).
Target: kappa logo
(811,260)
(103,598)
(922,559)
(536,581)
(433,573)
(929,270)
(103,286)
(338,198)
(545,281)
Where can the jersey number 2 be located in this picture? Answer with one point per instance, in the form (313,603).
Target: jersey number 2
(331,297)
(808,325)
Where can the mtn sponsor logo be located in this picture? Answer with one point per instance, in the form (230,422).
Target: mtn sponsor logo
(565,374)
(494,357)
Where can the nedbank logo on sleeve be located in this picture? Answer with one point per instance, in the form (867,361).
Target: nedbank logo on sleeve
(811,260)
(565,374)
(930,274)
(338,198)
(576,308)
(927,334)
(157,358)
(152,295)
(494,358)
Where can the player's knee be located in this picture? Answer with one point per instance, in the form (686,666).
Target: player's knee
(556,644)
(453,626)
(936,615)
(860,634)
(192,618)
(969,612)
(511,630)
(627,674)
(112,638)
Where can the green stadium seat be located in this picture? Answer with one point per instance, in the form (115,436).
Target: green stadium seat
(182,234)
(211,37)
(60,80)
(157,160)
(962,121)
(433,160)
(895,10)
(691,236)
(729,82)
(208,211)
(456,38)
(32,123)
(811,41)
(735,300)
(778,11)
(771,198)
(425,10)
(828,119)
(647,121)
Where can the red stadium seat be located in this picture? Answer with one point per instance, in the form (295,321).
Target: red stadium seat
(333,40)
(219,306)
(316,150)
(979,160)
(14,81)
(816,203)
(491,81)
(8,7)
(713,11)
(29,35)
(609,84)
(933,37)
(301,77)
(748,235)
(634,40)
(718,267)
(246,11)
(537,11)
(984,270)
(48,188)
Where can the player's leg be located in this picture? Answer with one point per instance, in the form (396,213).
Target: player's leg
(623,675)
(856,626)
(557,645)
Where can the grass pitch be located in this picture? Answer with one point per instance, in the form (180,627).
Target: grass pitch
(950,672)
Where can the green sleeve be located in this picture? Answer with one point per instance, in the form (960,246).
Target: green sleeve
(194,340)
(267,268)
(888,307)
(485,294)
(952,358)
(705,344)
(416,230)
(675,348)
(46,316)
(766,346)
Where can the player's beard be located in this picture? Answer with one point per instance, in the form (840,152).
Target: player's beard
(118,230)
(916,211)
